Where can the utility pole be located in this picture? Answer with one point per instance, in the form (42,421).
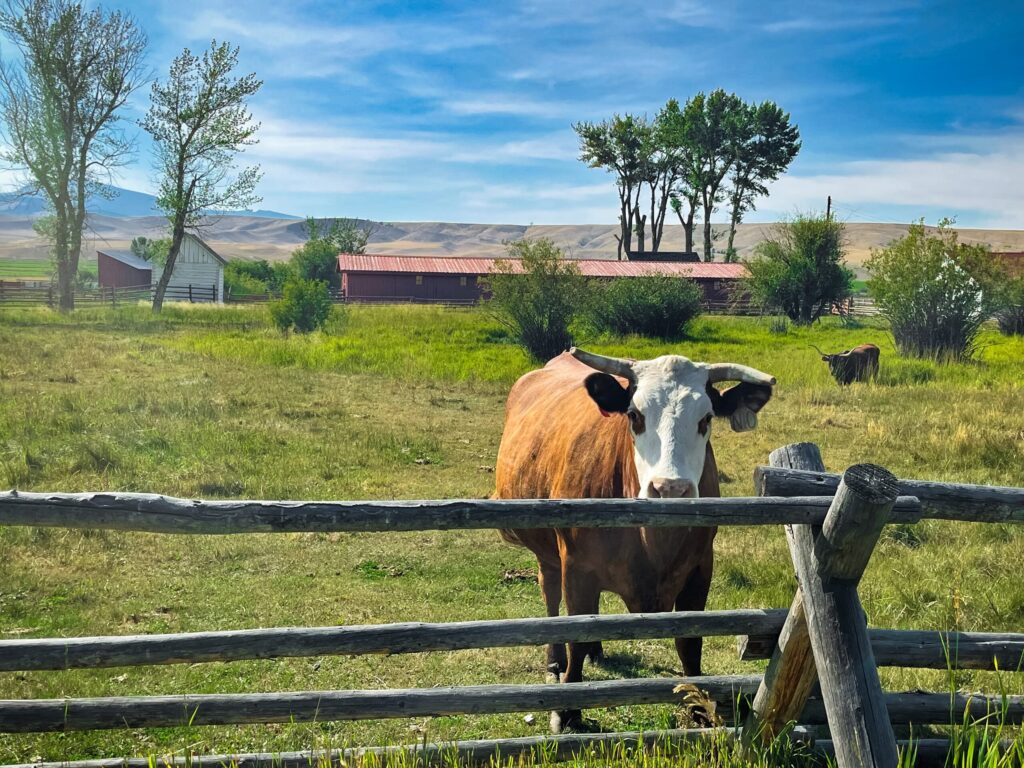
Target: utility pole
(828,209)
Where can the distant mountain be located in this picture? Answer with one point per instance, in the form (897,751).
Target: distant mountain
(123,203)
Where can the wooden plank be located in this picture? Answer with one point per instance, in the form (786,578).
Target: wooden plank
(791,674)
(922,708)
(943,501)
(165,514)
(45,715)
(829,566)
(923,649)
(133,650)
(559,748)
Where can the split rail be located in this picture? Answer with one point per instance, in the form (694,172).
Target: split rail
(823,657)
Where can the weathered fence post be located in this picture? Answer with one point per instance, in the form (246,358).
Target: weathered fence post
(827,624)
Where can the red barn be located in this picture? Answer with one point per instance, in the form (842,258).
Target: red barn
(123,269)
(452,280)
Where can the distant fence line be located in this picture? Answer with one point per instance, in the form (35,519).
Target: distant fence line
(16,294)
(19,295)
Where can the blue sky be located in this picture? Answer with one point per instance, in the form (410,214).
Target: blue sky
(457,111)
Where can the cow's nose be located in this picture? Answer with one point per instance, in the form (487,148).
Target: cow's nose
(670,488)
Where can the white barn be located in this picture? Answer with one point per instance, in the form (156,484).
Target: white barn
(198,273)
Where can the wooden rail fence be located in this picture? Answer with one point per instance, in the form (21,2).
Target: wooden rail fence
(823,657)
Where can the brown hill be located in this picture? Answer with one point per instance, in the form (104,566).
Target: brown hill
(275,239)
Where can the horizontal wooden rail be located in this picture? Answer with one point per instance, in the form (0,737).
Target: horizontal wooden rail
(165,514)
(39,715)
(47,715)
(921,649)
(412,637)
(474,752)
(944,501)
(930,753)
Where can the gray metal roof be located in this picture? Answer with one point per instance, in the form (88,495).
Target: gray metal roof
(127,257)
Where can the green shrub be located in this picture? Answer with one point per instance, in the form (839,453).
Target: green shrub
(652,305)
(800,270)
(304,306)
(538,296)
(1010,314)
(935,291)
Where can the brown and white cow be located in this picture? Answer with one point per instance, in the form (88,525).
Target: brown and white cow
(857,364)
(588,426)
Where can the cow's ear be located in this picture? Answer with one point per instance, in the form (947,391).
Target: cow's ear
(740,403)
(605,390)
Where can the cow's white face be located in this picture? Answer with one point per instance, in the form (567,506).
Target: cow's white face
(670,406)
(670,417)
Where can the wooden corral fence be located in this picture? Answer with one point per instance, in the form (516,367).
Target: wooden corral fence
(832,523)
(30,296)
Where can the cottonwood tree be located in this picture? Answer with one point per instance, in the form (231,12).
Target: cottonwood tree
(199,120)
(714,127)
(622,146)
(766,144)
(60,103)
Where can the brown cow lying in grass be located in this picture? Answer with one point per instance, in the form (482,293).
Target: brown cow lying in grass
(857,364)
(588,426)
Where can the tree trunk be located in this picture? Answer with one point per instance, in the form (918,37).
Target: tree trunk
(729,253)
(165,276)
(707,236)
(641,221)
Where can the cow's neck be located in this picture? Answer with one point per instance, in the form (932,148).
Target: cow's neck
(666,546)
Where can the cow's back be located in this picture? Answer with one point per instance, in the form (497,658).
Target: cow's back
(556,444)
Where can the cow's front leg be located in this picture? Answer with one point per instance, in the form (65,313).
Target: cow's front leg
(550,577)
(694,597)
(582,596)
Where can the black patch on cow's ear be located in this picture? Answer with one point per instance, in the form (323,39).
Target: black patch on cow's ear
(605,390)
(740,403)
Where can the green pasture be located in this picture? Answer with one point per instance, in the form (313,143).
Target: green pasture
(22,269)
(407,402)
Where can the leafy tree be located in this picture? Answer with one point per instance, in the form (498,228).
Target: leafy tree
(935,291)
(60,102)
(245,277)
(537,296)
(317,258)
(766,145)
(303,307)
(199,121)
(623,146)
(658,306)
(154,251)
(714,127)
(800,269)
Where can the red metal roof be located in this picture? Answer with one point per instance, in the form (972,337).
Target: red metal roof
(442,265)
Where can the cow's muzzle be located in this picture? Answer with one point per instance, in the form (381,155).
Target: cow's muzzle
(671,488)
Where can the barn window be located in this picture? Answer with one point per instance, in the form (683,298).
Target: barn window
(462,281)
(419,279)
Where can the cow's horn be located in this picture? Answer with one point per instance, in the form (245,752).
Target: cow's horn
(736,372)
(613,365)
(817,350)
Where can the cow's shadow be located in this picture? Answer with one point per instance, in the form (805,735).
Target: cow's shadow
(627,664)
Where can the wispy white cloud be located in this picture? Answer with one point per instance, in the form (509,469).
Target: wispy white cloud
(980,180)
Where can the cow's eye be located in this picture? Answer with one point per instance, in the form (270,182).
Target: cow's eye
(636,420)
(704,424)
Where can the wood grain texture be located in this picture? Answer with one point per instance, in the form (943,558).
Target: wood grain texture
(413,637)
(923,649)
(943,501)
(47,715)
(165,514)
(791,674)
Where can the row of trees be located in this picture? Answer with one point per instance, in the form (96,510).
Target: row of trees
(714,148)
(62,104)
